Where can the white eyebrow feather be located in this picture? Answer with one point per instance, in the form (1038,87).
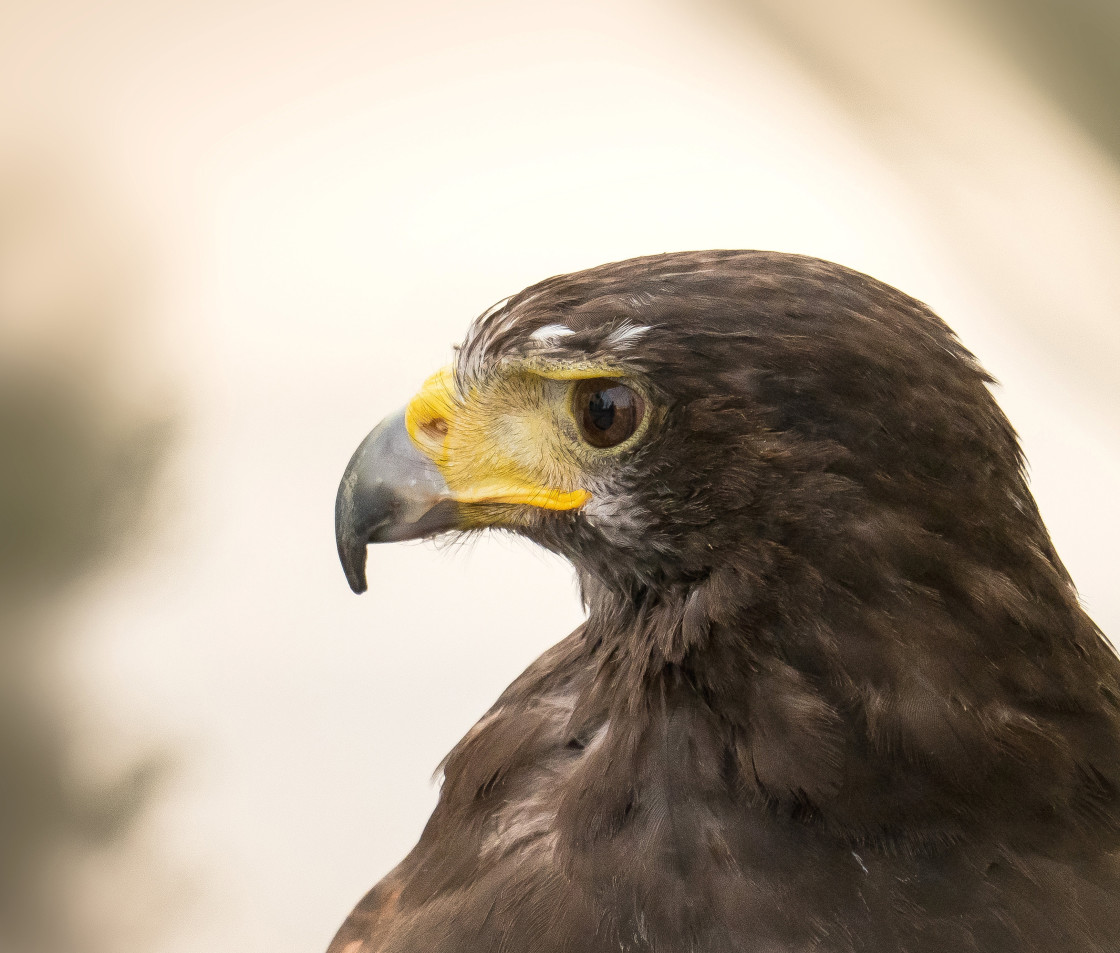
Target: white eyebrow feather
(495,308)
(625,335)
(550,331)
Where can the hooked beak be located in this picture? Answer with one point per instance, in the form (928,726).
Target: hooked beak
(396,485)
(389,492)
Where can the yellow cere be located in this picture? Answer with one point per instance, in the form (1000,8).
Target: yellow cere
(498,445)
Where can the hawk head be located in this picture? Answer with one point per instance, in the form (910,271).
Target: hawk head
(663,419)
(822,606)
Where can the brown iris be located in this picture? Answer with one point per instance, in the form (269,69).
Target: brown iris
(606,411)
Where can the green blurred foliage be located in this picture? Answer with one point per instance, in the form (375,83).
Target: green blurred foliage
(77,469)
(1071,48)
(73,484)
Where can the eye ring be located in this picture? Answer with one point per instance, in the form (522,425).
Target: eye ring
(607,412)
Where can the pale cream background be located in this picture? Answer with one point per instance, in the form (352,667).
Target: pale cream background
(327,194)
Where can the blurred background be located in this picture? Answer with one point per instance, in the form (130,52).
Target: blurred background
(234,235)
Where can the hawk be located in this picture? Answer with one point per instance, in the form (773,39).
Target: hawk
(835,690)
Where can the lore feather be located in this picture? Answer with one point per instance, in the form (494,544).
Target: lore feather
(835,691)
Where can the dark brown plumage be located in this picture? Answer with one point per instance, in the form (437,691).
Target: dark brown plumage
(835,690)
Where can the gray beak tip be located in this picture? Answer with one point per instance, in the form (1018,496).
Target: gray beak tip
(353,558)
(351,548)
(389,492)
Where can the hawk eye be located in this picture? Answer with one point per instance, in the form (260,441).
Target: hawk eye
(606,411)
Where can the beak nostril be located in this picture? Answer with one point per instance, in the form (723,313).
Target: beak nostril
(390,491)
(436,428)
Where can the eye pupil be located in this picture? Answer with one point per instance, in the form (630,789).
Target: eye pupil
(600,410)
(607,411)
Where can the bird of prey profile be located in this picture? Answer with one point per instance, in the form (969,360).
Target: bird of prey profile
(835,691)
